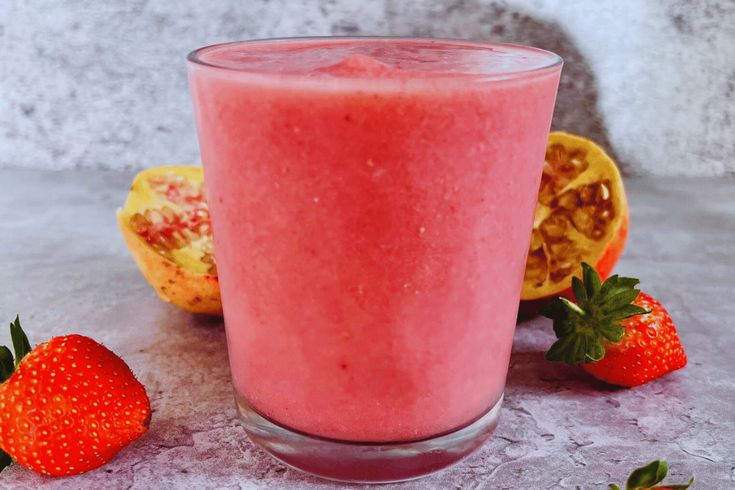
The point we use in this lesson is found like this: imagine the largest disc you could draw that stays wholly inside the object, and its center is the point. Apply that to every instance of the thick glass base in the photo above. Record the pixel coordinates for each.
(366, 462)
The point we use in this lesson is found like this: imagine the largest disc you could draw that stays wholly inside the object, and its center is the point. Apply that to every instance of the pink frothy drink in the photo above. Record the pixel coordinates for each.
(371, 202)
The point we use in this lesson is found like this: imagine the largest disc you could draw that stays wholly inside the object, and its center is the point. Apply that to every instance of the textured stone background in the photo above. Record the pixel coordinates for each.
(101, 83)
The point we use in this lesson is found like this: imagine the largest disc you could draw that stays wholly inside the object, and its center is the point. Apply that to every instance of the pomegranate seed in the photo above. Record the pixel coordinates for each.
(167, 229)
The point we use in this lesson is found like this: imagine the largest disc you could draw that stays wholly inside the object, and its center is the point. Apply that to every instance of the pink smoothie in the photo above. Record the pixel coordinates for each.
(372, 204)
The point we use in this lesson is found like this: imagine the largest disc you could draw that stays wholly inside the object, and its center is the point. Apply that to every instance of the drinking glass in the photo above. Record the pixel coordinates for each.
(372, 203)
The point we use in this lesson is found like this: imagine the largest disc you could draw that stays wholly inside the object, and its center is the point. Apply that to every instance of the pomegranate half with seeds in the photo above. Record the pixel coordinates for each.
(166, 226)
(581, 216)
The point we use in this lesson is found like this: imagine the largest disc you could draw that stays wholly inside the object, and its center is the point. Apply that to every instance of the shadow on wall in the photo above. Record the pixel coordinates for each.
(576, 107)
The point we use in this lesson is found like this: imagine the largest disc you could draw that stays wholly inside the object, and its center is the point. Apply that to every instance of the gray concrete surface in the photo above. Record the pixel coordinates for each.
(64, 268)
(88, 83)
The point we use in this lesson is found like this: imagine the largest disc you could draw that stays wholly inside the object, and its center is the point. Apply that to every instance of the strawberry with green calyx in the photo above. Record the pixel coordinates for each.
(647, 477)
(67, 406)
(617, 333)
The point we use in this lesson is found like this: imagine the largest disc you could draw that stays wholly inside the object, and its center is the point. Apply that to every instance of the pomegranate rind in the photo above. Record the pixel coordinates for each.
(604, 252)
(191, 290)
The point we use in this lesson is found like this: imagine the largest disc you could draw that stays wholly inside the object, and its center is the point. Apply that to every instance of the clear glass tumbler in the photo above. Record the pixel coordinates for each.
(372, 203)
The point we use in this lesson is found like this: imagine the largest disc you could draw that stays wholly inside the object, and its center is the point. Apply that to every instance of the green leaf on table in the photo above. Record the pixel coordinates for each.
(647, 476)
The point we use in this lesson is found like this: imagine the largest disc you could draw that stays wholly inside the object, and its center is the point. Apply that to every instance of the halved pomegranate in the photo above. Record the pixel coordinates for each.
(166, 226)
(581, 216)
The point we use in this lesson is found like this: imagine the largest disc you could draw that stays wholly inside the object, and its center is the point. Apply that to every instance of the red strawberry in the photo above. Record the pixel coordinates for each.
(70, 405)
(647, 477)
(617, 333)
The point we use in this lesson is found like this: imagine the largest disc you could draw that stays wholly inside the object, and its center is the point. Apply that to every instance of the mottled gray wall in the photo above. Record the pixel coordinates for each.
(102, 83)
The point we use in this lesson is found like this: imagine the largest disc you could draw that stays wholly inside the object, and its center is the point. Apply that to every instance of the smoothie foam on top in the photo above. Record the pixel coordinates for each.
(379, 58)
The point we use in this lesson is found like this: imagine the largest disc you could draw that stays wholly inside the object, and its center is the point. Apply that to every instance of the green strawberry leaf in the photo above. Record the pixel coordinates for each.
(616, 301)
(583, 328)
(563, 349)
(5, 460)
(591, 280)
(21, 346)
(580, 293)
(627, 311)
(614, 284)
(6, 363)
(647, 476)
(611, 331)
(682, 486)
(595, 350)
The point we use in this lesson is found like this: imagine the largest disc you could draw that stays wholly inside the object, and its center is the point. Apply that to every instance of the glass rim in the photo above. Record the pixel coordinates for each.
(195, 56)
